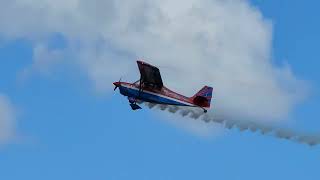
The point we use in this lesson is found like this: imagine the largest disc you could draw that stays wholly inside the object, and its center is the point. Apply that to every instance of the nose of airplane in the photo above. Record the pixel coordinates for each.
(116, 84)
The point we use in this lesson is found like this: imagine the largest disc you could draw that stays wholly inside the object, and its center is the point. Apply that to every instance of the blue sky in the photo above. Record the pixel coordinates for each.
(66, 130)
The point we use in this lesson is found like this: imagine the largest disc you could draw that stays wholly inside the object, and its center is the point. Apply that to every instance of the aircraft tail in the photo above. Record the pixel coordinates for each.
(203, 97)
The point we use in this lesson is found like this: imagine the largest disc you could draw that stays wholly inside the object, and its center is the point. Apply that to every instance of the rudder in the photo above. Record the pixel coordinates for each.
(203, 97)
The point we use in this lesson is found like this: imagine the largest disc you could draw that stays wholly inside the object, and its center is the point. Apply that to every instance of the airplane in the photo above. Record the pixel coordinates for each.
(150, 88)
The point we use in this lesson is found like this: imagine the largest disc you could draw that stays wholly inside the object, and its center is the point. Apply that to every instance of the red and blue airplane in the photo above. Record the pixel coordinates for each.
(150, 88)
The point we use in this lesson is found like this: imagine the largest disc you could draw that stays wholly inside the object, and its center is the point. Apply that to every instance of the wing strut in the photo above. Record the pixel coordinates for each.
(140, 87)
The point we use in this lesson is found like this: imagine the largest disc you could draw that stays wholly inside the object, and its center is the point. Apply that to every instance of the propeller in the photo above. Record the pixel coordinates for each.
(117, 84)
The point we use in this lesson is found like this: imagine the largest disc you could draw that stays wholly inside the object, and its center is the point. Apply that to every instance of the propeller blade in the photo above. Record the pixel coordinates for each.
(117, 84)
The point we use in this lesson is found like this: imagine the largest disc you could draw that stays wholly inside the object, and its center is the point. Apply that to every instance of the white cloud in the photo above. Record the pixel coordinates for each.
(7, 120)
(44, 59)
(222, 43)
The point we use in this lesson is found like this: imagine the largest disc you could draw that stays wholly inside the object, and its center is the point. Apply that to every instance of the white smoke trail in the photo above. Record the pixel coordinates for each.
(309, 139)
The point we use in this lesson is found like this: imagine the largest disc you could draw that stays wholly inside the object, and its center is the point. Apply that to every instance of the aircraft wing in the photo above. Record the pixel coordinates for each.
(150, 75)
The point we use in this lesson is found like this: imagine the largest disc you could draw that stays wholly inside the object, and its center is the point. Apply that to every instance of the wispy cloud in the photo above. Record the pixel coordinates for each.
(7, 120)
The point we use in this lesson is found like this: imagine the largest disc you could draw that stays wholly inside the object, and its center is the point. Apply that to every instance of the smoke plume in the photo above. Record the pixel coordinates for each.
(241, 125)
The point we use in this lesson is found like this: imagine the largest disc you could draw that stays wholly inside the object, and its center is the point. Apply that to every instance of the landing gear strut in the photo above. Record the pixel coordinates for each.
(133, 103)
(132, 100)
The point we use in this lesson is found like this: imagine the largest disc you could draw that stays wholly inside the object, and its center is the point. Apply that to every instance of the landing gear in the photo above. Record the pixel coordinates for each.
(134, 106)
(133, 103)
